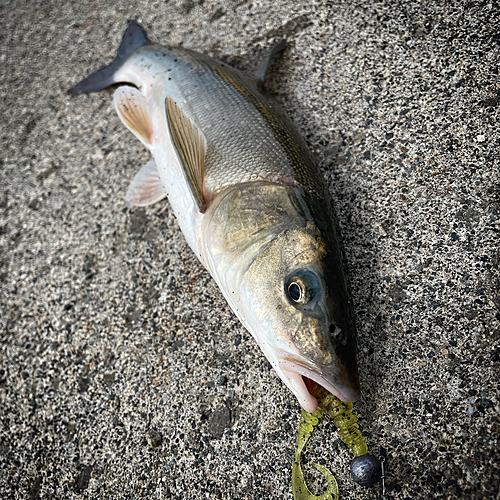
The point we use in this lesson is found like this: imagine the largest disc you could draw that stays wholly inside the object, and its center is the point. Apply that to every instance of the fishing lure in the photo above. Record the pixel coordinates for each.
(365, 468)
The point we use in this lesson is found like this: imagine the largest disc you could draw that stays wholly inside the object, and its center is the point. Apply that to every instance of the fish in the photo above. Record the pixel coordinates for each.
(250, 200)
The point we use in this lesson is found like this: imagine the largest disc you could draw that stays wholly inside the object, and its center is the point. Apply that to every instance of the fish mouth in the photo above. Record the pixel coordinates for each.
(300, 379)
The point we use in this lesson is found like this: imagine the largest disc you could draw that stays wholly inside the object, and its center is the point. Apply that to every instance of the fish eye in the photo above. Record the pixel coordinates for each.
(302, 287)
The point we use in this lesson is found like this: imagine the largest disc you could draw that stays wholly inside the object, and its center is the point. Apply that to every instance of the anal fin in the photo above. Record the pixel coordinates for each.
(132, 108)
(146, 188)
(191, 146)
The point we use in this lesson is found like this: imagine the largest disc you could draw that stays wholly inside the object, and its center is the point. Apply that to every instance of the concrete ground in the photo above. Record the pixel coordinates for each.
(124, 375)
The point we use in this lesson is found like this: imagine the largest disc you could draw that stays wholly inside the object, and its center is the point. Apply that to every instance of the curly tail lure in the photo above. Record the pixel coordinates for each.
(365, 469)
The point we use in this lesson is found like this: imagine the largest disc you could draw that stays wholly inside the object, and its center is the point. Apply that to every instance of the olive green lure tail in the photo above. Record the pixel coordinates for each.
(299, 487)
(346, 423)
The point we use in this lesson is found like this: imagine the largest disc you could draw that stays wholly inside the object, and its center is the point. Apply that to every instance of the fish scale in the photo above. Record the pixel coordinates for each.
(237, 151)
(261, 144)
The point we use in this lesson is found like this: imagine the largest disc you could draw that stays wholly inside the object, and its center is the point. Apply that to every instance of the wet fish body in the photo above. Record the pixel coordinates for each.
(249, 199)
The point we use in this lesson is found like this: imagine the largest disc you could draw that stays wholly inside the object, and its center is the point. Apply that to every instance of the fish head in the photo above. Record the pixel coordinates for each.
(283, 277)
(296, 304)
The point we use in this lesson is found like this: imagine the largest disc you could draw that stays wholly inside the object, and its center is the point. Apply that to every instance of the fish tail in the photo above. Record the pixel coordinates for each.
(133, 38)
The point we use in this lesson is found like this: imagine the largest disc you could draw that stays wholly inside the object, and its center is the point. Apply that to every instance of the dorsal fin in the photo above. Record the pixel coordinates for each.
(133, 38)
(260, 71)
(191, 146)
(132, 108)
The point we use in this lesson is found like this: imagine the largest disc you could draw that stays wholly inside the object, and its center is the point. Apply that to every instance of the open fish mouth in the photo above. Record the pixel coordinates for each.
(300, 379)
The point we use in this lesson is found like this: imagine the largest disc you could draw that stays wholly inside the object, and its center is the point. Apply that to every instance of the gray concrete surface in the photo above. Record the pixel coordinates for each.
(123, 375)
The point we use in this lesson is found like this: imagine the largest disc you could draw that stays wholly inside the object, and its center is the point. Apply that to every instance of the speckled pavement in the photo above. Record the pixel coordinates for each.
(123, 374)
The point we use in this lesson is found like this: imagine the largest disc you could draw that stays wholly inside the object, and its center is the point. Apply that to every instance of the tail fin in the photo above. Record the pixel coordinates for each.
(133, 38)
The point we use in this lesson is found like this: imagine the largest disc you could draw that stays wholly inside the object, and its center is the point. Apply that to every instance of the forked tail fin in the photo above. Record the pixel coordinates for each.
(133, 38)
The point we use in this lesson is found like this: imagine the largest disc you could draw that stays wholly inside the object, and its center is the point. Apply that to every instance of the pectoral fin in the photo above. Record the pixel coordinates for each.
(146, 188)
(191, 146)
(132, 108)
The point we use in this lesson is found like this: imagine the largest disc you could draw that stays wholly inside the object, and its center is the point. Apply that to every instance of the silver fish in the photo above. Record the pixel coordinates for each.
(249, 199)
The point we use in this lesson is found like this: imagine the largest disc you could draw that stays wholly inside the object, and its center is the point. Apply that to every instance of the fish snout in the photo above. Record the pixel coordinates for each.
(300, 377)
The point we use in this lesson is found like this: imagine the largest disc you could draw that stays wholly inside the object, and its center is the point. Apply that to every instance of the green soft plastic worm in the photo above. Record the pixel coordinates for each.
(346, 423)
(299, 487)
(349, 432)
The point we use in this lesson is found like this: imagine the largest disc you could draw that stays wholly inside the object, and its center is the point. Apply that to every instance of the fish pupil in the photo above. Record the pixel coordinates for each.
(294, 291)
